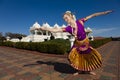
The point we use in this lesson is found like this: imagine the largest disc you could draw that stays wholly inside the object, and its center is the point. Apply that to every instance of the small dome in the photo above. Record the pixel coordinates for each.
(56, 26)
(63, 25)
(89, 30)
(46, 25)
(36, 25)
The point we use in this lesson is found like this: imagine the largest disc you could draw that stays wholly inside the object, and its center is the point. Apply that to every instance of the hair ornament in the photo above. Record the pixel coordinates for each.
(68, 12)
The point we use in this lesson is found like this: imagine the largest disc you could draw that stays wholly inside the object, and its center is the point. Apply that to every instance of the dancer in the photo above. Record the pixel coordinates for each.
(82, 56)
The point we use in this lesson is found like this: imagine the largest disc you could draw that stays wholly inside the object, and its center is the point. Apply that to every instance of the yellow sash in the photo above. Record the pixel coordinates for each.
(84, 42)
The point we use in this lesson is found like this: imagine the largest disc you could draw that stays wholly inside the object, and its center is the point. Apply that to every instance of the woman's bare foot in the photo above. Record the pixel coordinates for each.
(76, 73)
(92, 73)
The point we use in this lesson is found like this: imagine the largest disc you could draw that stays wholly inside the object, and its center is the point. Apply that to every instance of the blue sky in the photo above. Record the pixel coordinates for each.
(17, 16)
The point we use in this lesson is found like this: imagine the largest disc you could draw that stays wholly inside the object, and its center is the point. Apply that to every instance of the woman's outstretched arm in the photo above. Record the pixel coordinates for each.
(97, 14)
(52, 29)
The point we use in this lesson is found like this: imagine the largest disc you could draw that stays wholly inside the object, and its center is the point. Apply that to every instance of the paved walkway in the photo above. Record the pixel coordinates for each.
(17, 64)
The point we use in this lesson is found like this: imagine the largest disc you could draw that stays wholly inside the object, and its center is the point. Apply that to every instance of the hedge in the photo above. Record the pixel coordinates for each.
(100, 42)
(57, 46)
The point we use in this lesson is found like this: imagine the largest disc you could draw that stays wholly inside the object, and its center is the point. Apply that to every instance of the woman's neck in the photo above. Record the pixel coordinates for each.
(73, 24)
(74, 28)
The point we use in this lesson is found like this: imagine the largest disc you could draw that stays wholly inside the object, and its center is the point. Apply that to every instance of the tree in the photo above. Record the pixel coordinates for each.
(15, 35)
(1, 34)
(2, 38)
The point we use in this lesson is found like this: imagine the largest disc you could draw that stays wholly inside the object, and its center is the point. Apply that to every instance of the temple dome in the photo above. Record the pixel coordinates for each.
(46, 25)
(88, 30)
(63, 26)
(35, 25)
(56, 26)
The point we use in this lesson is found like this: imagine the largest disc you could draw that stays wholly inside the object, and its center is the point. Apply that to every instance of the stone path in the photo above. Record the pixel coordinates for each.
(18, 64)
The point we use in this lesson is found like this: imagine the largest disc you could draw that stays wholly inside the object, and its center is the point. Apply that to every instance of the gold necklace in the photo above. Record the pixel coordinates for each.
(74, 30)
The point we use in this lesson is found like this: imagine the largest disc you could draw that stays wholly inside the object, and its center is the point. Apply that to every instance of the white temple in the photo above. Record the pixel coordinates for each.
(40, 36)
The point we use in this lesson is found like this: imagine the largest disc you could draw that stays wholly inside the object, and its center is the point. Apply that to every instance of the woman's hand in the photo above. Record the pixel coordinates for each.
(109, 11)
(41, 28)
(37, 28)
(98, 14)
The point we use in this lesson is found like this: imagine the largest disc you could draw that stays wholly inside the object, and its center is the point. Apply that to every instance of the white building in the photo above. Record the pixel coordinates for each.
(40, 36)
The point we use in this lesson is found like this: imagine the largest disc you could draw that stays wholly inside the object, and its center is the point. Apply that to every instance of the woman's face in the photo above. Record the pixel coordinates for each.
(67, 18)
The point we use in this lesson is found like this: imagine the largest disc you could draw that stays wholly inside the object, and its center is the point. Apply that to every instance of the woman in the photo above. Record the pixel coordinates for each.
(82, 56)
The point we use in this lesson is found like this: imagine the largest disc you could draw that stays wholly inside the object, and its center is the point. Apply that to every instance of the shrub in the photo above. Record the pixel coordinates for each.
(98, 43)
(56, 46)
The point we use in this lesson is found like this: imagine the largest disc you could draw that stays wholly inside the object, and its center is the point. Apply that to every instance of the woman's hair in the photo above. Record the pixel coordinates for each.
(69, 13)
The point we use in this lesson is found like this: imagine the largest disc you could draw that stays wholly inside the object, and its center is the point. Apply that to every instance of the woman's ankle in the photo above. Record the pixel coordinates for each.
(92, 73)
(76, 73)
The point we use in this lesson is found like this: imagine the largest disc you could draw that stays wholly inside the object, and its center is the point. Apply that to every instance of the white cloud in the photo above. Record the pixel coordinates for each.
(98, 31)
(106, 32)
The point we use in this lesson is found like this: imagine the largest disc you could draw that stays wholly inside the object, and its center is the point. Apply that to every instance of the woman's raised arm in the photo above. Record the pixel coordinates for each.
(97, 14)
(51, 29)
